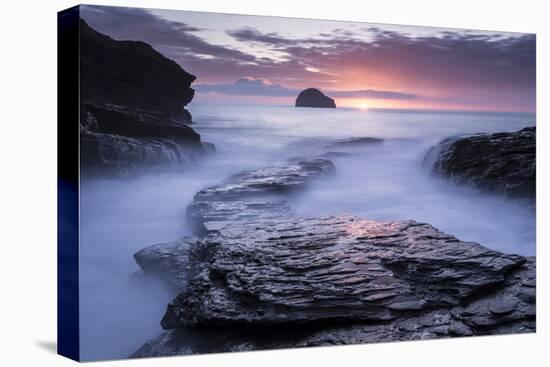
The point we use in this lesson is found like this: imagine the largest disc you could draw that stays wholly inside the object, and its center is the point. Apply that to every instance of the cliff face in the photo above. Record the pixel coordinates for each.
(312, 97)
(131, 108)
(131, 73)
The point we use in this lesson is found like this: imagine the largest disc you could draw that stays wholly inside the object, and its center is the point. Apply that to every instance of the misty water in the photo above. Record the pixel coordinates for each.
(121, 309)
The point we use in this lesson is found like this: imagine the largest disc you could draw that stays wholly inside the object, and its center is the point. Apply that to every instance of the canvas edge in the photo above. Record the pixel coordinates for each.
(68, 325)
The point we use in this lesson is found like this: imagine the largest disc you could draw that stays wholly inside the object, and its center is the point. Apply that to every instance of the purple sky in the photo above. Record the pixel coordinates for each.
(255, 59)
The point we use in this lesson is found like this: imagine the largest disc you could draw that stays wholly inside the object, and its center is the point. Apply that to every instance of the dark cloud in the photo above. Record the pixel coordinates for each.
(174, 39)
(450, 56)
(253, 35)
(210, 62)
(263, 87)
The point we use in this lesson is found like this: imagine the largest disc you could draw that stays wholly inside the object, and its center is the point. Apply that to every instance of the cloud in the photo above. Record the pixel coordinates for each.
(263, 87)
(465, 66)
(372, 94)
(368, 61)
(253, 35)
(176, 40)
(248, 87)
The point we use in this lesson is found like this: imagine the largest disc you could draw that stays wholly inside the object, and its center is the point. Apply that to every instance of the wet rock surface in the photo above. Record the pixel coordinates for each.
(134, 122)
(258, 195)
(341, 280)
(119, 140)
(502, 162)
(332, 269)
(355, 142)
(255, 195)
(312, 97)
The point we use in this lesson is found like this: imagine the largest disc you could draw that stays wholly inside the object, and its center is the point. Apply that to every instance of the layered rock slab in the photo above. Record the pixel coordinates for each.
(118, 140)
(332, 269)
(501, 162)
(257, 194)
(340, 280)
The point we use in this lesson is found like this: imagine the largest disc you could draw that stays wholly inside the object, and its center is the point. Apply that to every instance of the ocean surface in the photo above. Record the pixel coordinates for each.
(121, 310)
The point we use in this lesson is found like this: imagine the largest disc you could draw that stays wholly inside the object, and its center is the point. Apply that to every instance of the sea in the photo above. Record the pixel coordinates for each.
(120, 309)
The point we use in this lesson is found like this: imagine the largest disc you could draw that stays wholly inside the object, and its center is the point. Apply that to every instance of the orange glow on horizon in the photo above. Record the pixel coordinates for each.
(375, 103)
(365, 104)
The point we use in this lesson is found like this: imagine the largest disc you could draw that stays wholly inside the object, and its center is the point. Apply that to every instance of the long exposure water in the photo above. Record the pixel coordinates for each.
(120, 310)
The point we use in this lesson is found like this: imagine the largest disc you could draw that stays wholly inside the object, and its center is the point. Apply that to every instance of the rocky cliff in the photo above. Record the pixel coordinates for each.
(131, 111)
(131, 73)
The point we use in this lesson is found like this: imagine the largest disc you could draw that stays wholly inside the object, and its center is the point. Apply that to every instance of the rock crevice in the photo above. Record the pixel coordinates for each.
(258, 277)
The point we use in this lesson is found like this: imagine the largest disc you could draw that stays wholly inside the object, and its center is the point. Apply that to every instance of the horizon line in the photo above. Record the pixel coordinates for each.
(373, 109)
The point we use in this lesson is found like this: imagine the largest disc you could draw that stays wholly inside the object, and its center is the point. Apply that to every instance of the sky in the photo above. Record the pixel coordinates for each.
(269, 60)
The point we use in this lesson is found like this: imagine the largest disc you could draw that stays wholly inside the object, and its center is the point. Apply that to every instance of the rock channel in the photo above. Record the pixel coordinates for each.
(258, 277)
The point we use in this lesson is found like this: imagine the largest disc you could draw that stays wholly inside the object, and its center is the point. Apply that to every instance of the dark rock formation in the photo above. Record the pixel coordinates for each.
(132, 113)
(470, 318)
(312, 97)
(332, 269)
(131, 73)
(503, 162)
(355, 142)
(257, 194)
(172, 261)
(338, 280)
(135, 123)
(119, 139)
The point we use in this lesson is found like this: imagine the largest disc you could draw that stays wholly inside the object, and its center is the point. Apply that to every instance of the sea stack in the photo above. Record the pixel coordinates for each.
(312, 97)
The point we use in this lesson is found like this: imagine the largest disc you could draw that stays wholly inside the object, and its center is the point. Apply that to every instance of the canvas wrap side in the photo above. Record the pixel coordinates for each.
(68, 343)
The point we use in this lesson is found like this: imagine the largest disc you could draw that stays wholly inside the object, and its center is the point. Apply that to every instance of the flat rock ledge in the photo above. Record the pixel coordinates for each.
(332, 269)
(256, 194)
(337, 280)
(502, 162)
